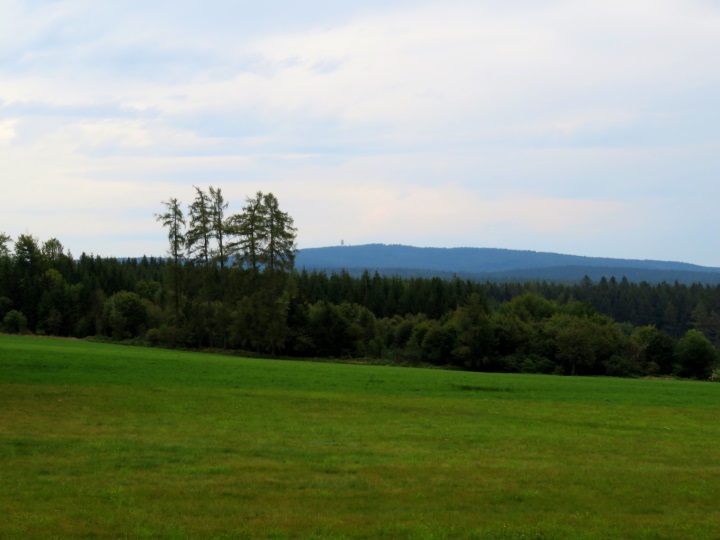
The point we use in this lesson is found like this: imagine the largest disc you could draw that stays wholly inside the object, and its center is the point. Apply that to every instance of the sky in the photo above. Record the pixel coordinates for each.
(570, 126)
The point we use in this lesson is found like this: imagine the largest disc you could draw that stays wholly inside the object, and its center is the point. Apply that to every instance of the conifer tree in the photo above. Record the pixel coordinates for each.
(5, 239)
(279, 253)
(219, 225)
(200, 231)
(174, 220)
(249, 229)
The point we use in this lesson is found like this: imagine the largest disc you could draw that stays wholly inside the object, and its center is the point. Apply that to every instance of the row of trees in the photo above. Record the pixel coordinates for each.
(228, 282)
(672, 308)
(260, 237)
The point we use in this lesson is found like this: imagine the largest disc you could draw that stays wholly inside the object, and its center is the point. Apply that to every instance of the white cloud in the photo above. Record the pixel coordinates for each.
(451, 123)
(472, 71)
(7, 130)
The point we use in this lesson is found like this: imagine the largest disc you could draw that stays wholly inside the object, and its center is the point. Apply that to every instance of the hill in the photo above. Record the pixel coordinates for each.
(496, 264)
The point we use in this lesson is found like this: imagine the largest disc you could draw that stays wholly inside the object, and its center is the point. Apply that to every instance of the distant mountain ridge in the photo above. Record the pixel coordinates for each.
(496, 264)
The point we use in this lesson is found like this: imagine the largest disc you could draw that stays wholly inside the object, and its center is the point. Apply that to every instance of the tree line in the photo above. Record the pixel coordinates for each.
(228, 282)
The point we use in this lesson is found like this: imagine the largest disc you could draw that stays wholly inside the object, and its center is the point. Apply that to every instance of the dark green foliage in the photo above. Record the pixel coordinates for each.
(264, 236)
(327, 330)
(5, 240)
(531, 306)
(58, 309)
(437, 343)
(200, 233)
(218, 226)
(5, 306)
(259, 322)
(27, 253)
(250, 233)
(474, 334)
(124, 316)
(651, 350)
(581, 345)
(260, 304)
(619, 366)
(14, 322)
(695, 355)
(279, 252)
(174, 220)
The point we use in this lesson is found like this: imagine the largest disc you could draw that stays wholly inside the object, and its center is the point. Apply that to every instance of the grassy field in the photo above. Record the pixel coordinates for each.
(120, 442)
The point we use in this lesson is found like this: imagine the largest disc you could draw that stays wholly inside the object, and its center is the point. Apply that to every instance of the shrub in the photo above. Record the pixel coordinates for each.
(534, 363)
(5, 305)
(618, 366)
(124, 315)
(695, 355)
(153, 336)
(172, 336)
(15, 322)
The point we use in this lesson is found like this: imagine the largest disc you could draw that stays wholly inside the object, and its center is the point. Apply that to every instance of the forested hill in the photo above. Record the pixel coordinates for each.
(496, 264)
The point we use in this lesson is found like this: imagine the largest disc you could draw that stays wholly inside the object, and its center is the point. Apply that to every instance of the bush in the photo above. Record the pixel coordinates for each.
(618, 366)
(153, 336)
(534, 363)
(15, 322)
(124, 316)
(172, 336)
(695, 355)
(5, 305)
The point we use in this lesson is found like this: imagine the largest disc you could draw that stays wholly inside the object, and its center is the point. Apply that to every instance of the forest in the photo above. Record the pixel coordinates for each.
(228, 282)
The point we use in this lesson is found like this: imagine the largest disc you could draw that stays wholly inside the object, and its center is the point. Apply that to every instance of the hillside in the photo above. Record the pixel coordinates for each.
(496, 264)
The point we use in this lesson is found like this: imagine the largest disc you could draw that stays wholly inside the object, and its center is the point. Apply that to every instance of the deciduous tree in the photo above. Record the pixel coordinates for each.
(695, 355)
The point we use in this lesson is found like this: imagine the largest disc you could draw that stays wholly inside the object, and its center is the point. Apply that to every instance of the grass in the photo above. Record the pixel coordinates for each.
(108, 441)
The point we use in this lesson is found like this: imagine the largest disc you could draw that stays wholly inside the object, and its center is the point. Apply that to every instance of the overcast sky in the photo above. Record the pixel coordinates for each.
(579, 127)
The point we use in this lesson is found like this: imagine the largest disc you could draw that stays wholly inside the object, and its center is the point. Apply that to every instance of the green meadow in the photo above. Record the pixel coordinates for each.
(107, 441)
